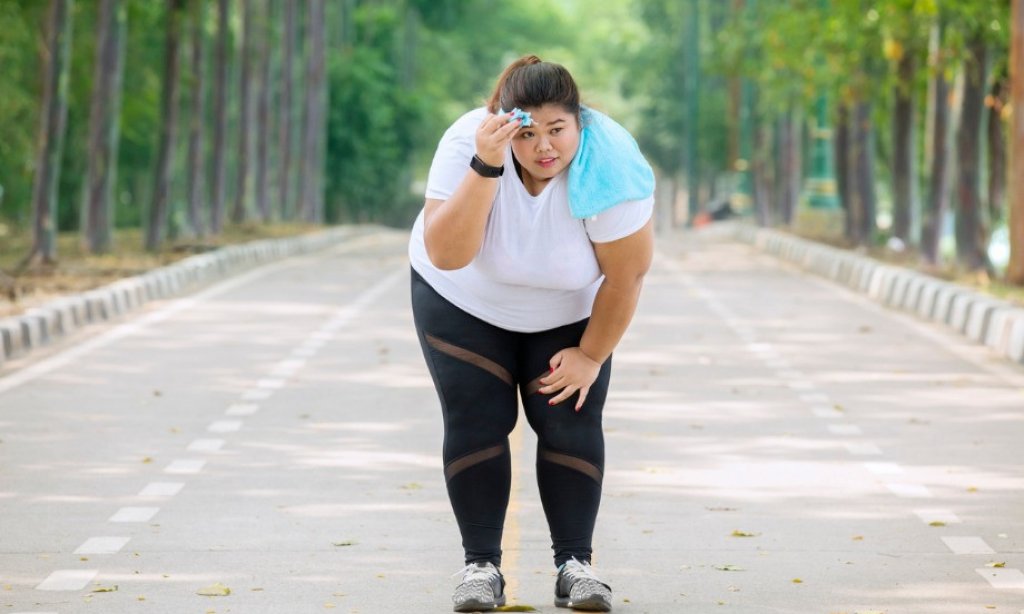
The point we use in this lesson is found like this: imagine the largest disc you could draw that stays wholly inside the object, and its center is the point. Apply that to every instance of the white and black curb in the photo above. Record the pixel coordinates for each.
(980, 317)
(41, 325)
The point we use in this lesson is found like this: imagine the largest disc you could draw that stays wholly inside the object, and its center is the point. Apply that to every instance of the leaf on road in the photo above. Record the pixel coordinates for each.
(105, 589)
(412, 486)
(347, 542)
(936, 523)
(329, 605)
(738, 533)
(720, 509)
(972, 489)
(728, 568)
(996, 564)
(516, 608)
(858, 538)
(214, 590)
(797, 581)
(147, 459)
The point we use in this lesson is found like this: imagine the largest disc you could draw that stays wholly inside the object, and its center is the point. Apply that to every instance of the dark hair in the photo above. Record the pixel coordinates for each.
(529, 82)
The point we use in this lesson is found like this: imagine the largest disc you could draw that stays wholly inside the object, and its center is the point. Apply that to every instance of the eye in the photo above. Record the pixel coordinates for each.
(555, 131)
(526, 134)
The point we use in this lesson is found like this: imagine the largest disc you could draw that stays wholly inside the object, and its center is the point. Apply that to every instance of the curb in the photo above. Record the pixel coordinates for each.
(982, 318)
(39, 326)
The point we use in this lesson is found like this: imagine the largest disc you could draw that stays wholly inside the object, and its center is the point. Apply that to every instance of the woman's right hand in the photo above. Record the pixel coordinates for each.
(493, 137)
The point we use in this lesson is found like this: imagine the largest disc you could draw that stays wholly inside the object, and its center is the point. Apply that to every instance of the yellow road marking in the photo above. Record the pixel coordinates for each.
(510, 538)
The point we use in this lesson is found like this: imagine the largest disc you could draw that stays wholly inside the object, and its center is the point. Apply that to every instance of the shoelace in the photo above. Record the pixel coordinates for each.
(475, 572)
(575, 571)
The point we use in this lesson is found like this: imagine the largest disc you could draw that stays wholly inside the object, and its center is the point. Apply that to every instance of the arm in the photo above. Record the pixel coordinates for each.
(624, 263)
(453, 229)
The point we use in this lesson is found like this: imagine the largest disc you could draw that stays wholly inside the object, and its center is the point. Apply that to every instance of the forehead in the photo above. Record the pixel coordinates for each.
(549, 113)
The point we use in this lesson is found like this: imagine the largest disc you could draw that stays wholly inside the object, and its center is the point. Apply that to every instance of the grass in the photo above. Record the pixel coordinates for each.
(77, 271)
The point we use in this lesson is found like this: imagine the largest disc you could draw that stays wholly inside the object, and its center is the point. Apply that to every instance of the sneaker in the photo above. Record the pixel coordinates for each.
(579, 588)
(482, 588)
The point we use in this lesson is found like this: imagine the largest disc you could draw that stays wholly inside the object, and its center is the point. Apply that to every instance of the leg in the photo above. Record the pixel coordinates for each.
(470, 362)
(570, 447)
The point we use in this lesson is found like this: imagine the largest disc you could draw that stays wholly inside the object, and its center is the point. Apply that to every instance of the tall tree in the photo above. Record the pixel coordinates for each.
(220, 119)
(286, 113)
(1015, 270)
(263, 113)
(104, 126)
(311, 182)
(971, 229)
(156, 229)
(904, 142)
(996, 142)
(197, 116)
(56, 64)
(938, 150)
(241, 208)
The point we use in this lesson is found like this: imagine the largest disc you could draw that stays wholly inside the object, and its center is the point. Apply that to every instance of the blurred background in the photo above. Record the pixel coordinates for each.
(140, 129)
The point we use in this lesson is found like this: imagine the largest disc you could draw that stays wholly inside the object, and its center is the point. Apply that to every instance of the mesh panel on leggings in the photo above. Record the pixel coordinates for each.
(572, 462)
(472, 358)
(460, 464)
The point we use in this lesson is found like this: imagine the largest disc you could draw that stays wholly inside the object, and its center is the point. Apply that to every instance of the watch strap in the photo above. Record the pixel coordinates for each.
(484, 169)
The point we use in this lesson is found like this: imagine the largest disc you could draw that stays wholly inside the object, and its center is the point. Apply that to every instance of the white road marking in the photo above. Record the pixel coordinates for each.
(304, 352)
(968, 545)
(777, 363)
(185, 466)
(760, 348)
(814, 397)
(863, 449)
(161, 489)
(67, 580)
(1003, 578)
(322, 335)
(242, 409)
(802, 385)
(224, 426)
(102, 545)
(884, 468)
(257, 394)
(935, 515)
(910, 491)
(134, 514)
(789, 374)
(829, 413)
(205, 445)
(287, 368)
(269, 383)
(844, 429)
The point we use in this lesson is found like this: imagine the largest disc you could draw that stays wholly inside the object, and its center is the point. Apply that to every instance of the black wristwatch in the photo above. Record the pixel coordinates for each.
(484, 169)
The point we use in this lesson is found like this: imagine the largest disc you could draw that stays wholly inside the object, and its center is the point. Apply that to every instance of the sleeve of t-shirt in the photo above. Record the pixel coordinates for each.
(619, 221)
(453, 154)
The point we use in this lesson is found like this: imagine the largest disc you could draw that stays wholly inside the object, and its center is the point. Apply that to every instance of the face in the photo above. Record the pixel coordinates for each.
(546, 147)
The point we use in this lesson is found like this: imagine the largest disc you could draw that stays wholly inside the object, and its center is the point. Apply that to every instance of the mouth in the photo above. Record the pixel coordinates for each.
(546, 162)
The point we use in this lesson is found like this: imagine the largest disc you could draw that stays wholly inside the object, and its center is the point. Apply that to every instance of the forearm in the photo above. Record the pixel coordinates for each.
(613, 310)
(454, 230)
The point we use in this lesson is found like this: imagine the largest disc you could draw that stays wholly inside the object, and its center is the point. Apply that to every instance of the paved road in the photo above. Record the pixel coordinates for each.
(277, 434)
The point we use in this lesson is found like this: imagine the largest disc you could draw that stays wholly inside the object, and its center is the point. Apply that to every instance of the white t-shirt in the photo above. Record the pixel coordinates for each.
(536, 268)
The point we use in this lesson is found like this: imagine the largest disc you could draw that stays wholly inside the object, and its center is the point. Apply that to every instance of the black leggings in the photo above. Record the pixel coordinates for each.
(476, 368)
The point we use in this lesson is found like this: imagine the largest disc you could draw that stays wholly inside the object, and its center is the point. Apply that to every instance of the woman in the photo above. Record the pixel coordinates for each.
(509, 290)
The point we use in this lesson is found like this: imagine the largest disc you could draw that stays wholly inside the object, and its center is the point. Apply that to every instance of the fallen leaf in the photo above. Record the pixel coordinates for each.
(105, 589)
(140, 598)
(1002, 536)
(329, 605)
(990, 607)
(256, 589)
(411, 486)
(972, 489)
(339, 594)
(516, 608)
(797, 581)
(728, 568)
(733, 589)
(858, 538)
(720, 509)
(936, 523)
(994, 564)
(738, 533)
(147, 459)
(83, 558)
(214, 590)
(348, 542)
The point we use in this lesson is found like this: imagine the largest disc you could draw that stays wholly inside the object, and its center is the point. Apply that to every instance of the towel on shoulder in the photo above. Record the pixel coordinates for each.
(608, 168)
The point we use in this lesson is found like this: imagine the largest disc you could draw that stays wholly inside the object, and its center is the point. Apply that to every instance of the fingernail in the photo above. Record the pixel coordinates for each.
(551, 402)
(552, 369)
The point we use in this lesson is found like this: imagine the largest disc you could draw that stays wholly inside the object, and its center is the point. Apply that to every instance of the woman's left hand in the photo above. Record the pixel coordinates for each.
(571, 371)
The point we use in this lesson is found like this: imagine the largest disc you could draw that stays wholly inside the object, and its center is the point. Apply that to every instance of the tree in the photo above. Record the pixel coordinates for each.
(263, 114)
(971, 231)
(311, 200)
(1015, 271)
(55, 56)
(937, 202)
(241, 208)
(196, 176)
(286, 140)
(156, 229)
(220, 119)
(104, 126)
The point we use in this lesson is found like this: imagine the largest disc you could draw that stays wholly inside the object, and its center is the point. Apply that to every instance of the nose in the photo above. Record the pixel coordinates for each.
(543, 144)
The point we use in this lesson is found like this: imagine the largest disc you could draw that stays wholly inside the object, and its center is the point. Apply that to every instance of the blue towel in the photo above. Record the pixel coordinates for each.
(608, 168)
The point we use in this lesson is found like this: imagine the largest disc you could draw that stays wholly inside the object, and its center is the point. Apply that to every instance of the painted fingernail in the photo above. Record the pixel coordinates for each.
(552, 369)
(551, 402)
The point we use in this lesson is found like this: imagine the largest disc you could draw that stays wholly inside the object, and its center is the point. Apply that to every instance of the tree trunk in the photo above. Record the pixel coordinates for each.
(904, 139)
(156, 229)
(263, 114)
(287, 114)
(196, 183)
(764, 185)
(938, 184)
(50, 147)
(971, 229)
(104, 127)
(220, 119)
(1015, 270)
(862, 177)
(310, 194)
(842, 156)
(241, 209)
(996, 142)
